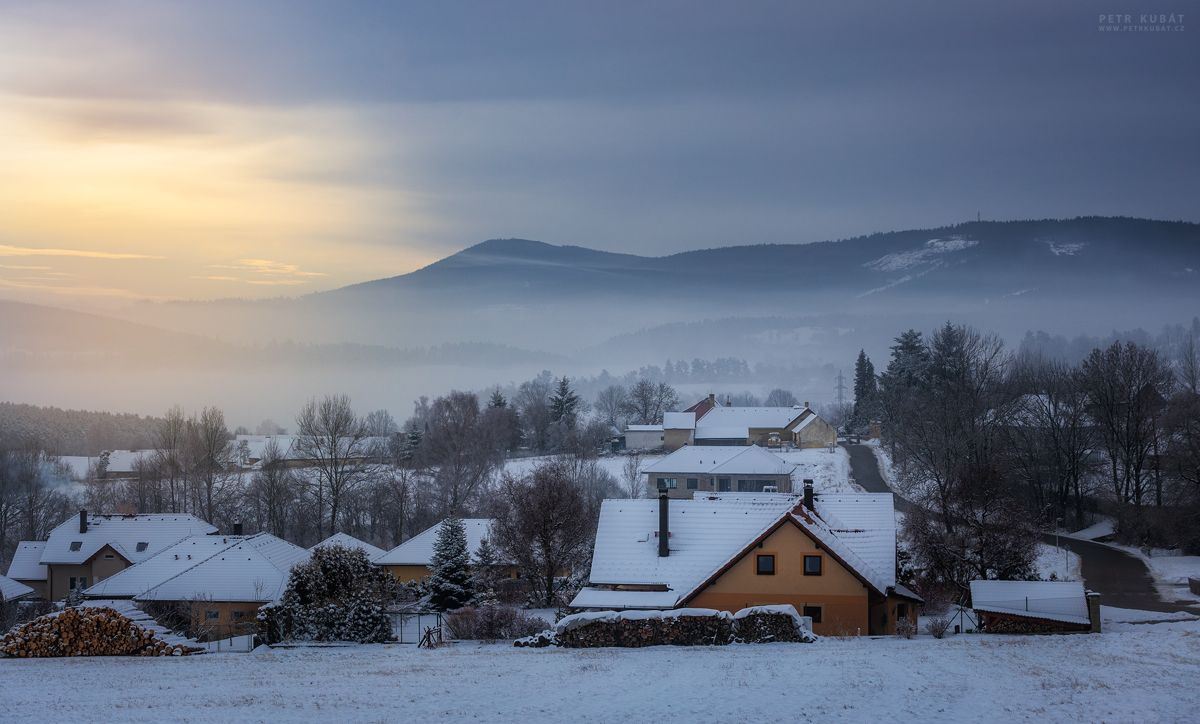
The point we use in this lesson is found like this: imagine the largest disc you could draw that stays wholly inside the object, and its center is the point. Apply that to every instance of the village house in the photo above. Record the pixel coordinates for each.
(833, 558)
(412, 560)
(1035, 607)
(27, 567)
(348, 541)
(83, 551)
(708, 423)
(212, 581)
(719, 469)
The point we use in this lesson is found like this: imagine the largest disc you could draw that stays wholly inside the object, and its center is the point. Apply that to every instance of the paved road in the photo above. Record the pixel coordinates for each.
(864, 468)
(1121, 580)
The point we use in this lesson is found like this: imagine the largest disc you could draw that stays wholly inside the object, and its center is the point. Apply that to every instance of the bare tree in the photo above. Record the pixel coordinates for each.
(780, 397)
(610, 405)
(459, 450)
(648, 401)
(168, 444)
(533, 406)
(335, 440)
(633, 477)
(273, 490)
(208, 440)
(545, 524)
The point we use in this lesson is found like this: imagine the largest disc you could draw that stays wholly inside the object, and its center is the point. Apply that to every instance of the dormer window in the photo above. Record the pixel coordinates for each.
(76, 545)
(141, 547)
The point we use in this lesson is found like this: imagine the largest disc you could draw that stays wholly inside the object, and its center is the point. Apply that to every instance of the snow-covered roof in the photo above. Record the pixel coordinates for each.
(349, 541)
(722, 460)
(866, 523)
(722, 433)
(749, 417)
(255, 569)
(1052, 600)
(679, 421)
(167, 563)
(135, 537)
(26, 563)
(288, 445)
(706, 533)
(418, 550)
(711, 530)
(644, 428)
(11, 590)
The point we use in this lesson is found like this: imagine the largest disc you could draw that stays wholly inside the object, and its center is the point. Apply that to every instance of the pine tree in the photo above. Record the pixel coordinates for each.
(865, 390)
(486, 572)
(450, 585)
(498, 402)
(910, 361)
(563, 403)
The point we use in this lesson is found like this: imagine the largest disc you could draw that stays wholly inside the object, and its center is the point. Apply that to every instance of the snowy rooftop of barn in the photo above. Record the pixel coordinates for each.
(135, 537)
(1050, 600)
(255, 569)
(418, 550)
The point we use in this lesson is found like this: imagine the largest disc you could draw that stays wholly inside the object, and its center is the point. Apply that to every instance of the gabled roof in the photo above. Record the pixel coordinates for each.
(165, 564)
(748, 417)
(349, 541)
(706, 534)
(679, 421)
(26, 563)
(644, 428)
(255, 569)
(418, 550)
(1051, 600)
(124, 533)
(713, 531)
(722, 460)
(11, 590)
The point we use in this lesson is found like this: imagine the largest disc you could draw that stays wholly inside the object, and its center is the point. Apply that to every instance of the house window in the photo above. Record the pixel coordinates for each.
(753, 486)
(108, 556)
(668, 483)
(901, 611)
(812, 565)
(82, 582)
(71, 583)
(766, 565)
(237, 615)
(723, 485)
(76, 545)
(141, 547)
(212, 616)
(693, 483)
(814, 612)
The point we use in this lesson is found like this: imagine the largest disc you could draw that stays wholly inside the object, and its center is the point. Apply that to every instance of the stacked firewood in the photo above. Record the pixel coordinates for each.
(765, 627)
(638, 632)
(85, 632)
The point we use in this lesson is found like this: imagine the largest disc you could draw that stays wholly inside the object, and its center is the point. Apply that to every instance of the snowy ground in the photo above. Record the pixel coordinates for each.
(1135, 673)
(1065, 566)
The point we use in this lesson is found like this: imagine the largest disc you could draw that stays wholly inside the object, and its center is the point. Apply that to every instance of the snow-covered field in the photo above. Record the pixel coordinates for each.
(1064, 565)
(1138, 672)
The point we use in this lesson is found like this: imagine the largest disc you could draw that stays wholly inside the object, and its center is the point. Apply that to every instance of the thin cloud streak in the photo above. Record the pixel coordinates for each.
(25, 251)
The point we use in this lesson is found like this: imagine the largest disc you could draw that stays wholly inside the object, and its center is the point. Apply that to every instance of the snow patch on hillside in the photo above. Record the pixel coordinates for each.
(922, 255)
(1066, 249)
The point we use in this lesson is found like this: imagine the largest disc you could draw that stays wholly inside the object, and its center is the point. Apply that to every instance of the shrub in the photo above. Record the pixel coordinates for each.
(492, 623)
(937, 626)
(905, 628)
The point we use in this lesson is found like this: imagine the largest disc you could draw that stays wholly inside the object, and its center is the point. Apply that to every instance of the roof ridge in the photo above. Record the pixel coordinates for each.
(169, 578)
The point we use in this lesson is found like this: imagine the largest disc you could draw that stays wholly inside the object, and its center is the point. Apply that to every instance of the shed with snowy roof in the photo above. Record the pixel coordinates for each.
(708, 423)
(1035, 607)
(832, 559)
(91, 548)
(11, 590)
(689, 470)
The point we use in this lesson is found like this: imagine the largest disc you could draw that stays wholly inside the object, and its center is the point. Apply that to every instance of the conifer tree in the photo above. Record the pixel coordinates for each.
(563, 403)
(865, 390)
(450, 585)
(498, 402)
(486, 572)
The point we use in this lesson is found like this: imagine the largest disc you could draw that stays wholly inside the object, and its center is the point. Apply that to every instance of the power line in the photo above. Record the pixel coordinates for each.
(841, 388)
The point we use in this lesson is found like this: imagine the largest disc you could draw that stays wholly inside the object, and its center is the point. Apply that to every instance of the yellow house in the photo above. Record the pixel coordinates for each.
(831, 557)
(707, 423)
(412, 560)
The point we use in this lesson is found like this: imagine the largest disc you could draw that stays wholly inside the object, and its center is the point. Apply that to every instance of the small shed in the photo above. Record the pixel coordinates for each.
(1035, 607)
(644, 437)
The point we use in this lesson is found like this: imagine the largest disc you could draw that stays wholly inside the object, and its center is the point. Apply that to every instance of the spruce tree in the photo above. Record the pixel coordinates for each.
(450, 586)
(563, 403)
(865, 390)
(486, 572)
(498, 402)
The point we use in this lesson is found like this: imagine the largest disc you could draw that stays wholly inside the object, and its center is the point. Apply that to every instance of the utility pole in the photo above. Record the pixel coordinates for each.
(841, 388)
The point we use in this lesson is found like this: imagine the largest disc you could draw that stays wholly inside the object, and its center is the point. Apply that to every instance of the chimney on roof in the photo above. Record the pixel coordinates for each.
(82, 521)
(712, 398)
(237, 528)
(808, 494)
(805, 404)
(664, 525)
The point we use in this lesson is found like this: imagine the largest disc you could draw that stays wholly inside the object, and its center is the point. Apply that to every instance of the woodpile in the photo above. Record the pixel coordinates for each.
(1002, 625)
(85, 632)
(761, 628)
(639, 631)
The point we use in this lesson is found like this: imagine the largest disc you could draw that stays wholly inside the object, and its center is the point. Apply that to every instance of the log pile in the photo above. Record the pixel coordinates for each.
(1002, 625)
(85, 632)
(764, 627)
(642, 630)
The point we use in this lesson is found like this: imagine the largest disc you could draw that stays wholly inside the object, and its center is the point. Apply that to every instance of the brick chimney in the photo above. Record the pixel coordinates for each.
(237, 528)
(808, 494)
(664, 525)
(82, 521)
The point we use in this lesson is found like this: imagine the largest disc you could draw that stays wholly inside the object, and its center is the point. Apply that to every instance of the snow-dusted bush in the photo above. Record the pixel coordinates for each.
(937, 626)
(491, 622)
(905, 628)
(337, 595)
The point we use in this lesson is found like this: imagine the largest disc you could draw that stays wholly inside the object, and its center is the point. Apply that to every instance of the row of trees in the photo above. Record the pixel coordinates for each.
(993, 447)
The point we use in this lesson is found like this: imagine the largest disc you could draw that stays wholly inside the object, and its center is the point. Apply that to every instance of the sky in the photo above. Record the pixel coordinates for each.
(165, 150)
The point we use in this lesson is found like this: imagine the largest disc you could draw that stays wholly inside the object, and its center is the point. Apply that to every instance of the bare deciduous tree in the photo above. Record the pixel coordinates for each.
(459, 450)
(335, 440)
(648, 401)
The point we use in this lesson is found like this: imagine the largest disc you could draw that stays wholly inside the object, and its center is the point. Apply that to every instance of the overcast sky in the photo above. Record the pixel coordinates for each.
(213, 149)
